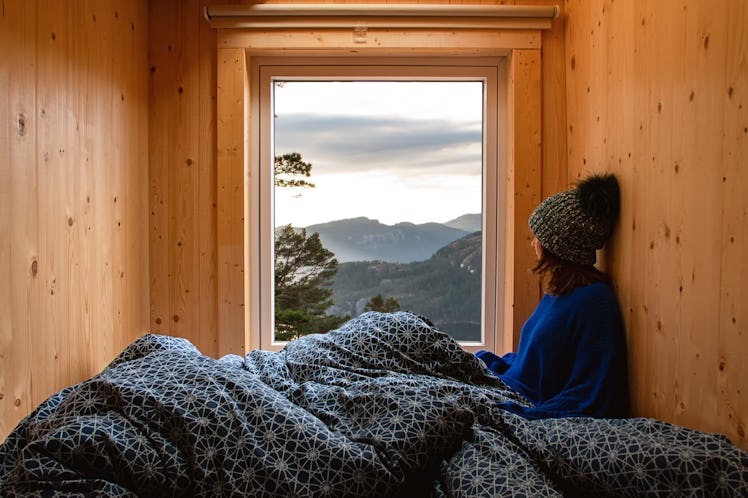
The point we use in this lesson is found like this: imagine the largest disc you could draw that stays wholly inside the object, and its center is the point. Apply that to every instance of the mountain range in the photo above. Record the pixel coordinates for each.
(364, 239)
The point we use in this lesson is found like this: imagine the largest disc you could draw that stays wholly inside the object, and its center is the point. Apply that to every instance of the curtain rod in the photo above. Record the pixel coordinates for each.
(269, 16)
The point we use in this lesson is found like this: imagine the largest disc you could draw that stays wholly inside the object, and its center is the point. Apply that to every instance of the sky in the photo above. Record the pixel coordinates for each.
(390, 151)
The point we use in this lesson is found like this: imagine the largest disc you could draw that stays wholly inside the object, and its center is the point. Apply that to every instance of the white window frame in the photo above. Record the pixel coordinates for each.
(264, 70)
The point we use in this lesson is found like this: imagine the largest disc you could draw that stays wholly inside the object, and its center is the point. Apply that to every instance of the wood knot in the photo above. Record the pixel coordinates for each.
(17, 402)
(21, 124)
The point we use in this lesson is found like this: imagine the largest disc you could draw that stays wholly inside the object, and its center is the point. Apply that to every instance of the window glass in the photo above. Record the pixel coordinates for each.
(377, 202)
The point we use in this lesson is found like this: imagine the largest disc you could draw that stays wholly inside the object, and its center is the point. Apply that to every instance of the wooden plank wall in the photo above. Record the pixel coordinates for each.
(182, 174)
(658, 93)
(73, 193)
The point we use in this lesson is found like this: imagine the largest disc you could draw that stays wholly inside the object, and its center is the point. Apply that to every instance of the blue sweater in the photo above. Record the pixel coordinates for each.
(571, 359)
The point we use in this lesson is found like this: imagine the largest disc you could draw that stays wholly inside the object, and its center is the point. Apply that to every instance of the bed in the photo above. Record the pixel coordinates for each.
(386, 405)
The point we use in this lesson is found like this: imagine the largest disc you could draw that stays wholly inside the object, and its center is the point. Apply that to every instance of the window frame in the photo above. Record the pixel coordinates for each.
(235, 47)
(264, 70)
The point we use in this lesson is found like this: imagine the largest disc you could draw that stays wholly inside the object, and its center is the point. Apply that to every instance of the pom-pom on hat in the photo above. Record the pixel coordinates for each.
(574, 224)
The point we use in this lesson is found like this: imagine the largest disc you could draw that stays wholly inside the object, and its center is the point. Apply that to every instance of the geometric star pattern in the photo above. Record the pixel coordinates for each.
(634, 457)
(386, 405)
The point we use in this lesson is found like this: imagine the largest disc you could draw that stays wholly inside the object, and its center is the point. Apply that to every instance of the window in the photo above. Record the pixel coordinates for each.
(510, 42)
(267, 73)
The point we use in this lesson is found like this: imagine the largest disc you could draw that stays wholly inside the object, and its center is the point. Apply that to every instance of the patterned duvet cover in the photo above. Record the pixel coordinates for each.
(384, 406)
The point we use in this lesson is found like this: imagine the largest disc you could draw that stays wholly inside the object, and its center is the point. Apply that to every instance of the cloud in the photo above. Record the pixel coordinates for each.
(357, 144)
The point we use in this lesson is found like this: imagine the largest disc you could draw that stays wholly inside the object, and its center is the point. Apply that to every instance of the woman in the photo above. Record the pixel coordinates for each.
(571, 359)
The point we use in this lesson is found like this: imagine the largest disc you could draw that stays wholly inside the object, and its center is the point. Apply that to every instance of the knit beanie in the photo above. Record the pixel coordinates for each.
(574, 224)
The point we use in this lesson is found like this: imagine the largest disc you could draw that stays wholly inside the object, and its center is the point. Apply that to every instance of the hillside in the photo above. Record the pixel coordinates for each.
(468, 222)
(445, 288)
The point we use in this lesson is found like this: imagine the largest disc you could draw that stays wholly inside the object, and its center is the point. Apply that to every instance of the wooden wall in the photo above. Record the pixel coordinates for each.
(182, 175)
(658, 93)
(73, 193)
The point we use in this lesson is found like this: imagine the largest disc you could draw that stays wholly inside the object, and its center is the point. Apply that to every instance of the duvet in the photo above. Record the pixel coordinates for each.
(384, 406)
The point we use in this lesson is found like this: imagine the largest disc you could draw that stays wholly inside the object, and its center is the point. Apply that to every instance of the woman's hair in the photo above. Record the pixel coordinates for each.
(560, 276)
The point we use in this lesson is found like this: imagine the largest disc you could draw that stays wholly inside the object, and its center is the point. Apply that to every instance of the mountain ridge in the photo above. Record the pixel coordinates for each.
(364, 239)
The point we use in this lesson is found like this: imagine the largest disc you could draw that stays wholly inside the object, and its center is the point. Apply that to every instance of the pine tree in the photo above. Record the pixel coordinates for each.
(304, 268)
(304, 271)
(378, 303)
(288, 167)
